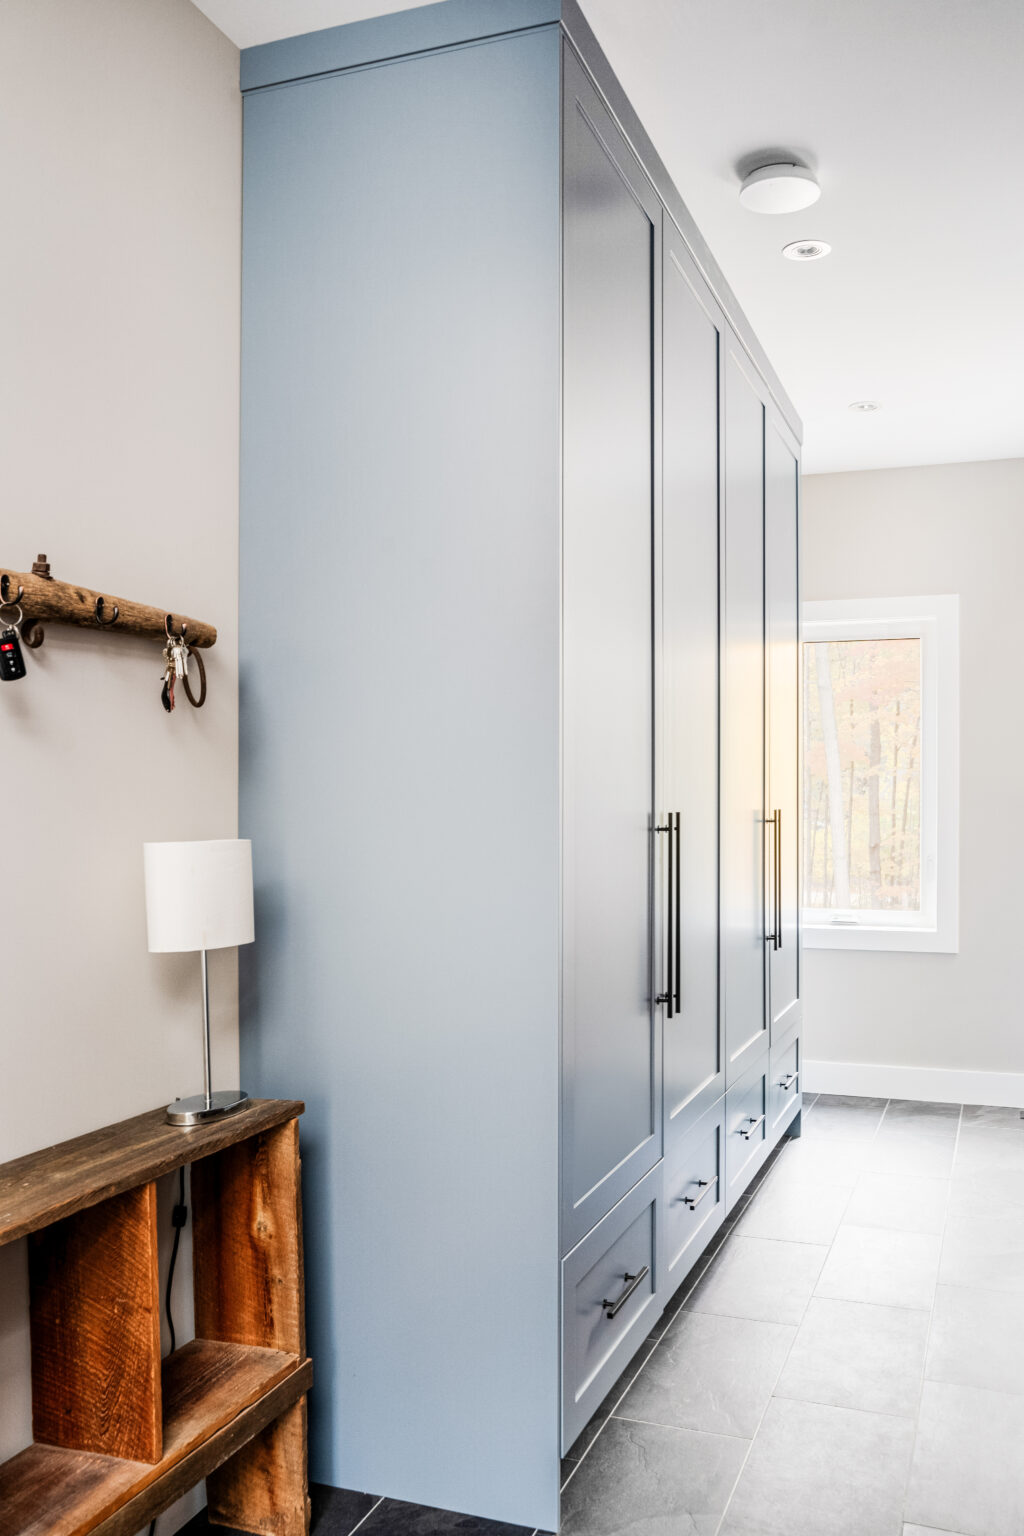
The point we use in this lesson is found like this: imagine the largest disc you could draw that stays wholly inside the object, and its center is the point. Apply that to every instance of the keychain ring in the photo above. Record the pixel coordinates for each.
(14, 623)
(198, 659)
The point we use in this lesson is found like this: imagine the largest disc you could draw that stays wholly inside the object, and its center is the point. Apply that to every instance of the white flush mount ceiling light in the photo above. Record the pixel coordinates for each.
(806, 250)
(779, 189)
(864, 406)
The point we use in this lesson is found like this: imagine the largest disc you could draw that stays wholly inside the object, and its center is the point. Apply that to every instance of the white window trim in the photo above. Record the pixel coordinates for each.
(935, 621)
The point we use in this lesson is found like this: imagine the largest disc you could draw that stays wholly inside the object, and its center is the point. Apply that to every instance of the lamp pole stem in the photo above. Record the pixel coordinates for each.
(207, 1076)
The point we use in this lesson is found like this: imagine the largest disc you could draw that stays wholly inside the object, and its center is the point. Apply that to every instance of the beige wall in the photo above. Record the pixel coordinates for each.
(120, 140)
(955, 528)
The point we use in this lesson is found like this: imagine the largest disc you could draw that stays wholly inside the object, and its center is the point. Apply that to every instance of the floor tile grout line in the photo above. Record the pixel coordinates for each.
(931, 1322)
(366, 1517)
(681, 1429)
(778, 1378)
(814, 1402)
(698, 1272)
(785, 1362)
(610, 1414)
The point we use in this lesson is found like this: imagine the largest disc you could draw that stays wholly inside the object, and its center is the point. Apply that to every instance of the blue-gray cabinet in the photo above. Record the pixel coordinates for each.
(495, 394)
(611, 238)
(688, 590)
(744, 914)
(782, 637)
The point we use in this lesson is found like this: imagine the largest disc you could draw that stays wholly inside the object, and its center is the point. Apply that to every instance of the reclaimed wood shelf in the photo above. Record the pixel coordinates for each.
(119, 1435)
(46, 601)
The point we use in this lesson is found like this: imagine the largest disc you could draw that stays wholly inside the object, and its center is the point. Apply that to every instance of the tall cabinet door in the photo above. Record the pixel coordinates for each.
(783, 675)
(743, 757)
(611, 1046)
(687, 874)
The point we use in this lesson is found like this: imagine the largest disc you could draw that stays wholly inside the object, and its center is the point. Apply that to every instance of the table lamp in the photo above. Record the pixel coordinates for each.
(199, 896)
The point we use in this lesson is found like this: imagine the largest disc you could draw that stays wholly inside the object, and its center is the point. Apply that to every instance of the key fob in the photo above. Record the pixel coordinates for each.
(12, 662)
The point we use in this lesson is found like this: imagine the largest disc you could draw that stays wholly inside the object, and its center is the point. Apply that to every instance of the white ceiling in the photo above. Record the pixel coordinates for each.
(912, 113)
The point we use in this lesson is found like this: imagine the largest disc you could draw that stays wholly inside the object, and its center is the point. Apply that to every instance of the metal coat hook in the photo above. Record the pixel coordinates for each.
(5, 591)
(168, 620)
(98, 613)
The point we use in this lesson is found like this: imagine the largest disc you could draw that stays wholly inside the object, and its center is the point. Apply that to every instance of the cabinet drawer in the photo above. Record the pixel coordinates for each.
(609, 1305)
(693, 1206)
(784, 1095)
(746, 1131)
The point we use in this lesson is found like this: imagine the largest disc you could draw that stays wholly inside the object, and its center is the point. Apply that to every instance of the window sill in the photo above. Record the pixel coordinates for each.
(861, 936)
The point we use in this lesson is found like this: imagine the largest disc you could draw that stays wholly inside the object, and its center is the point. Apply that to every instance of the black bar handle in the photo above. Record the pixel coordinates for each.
(668, 996)
(778, 879)
(679, 909)
(773, 937)
(632, 1281)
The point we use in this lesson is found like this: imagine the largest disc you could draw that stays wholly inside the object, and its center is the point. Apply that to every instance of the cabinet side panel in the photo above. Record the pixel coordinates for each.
(400, 771)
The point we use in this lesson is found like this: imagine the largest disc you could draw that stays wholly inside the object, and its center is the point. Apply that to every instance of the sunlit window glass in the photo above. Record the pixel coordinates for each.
(862, 775)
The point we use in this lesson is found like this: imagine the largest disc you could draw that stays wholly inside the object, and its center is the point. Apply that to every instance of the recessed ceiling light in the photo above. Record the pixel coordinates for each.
(864, 405)
(806, 250)
(779, 189)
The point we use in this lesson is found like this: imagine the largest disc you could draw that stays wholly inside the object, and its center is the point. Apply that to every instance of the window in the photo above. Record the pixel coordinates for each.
(880, 748)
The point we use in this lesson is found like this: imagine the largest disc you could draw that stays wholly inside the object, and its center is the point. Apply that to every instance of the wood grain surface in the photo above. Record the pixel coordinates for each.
(49, 1185)
(264, 1488)
(216, 1398)
(247, 1242)
(94, 1299)
(248, 1283)
(46, 601)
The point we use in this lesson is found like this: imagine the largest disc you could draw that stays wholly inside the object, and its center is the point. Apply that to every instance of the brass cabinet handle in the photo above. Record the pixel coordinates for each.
(752, 1127)
(707, 1185)
(611, 1307)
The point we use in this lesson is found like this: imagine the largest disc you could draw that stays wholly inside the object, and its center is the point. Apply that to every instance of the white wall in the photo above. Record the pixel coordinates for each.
(120, 138)
(941, 529)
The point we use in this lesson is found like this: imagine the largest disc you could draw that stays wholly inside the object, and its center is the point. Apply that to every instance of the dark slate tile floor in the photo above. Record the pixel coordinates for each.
(847, 1359)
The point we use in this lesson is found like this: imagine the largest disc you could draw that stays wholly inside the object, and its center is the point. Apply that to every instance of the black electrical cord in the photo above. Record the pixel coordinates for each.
(179, 1216)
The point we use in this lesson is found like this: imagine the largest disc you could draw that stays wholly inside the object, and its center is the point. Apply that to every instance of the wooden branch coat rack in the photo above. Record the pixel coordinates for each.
(46, 601)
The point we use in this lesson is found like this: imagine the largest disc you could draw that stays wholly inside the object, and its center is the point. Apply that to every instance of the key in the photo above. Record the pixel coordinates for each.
(12, 662)
(170, 674)
(179, 659)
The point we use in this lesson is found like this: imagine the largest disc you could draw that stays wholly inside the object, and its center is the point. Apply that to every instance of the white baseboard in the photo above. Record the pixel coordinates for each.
(935, 1085)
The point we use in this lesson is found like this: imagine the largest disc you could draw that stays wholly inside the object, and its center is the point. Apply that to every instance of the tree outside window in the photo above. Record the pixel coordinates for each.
(880, 773)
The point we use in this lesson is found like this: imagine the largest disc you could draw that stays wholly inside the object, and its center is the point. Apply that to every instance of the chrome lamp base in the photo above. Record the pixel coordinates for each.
(202, 1107)
(205, 1106)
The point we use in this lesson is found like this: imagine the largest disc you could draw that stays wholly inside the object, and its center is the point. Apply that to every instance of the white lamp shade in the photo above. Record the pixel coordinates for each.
(198, 895)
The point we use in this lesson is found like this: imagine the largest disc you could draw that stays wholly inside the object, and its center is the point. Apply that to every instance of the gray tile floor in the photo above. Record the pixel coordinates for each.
(847, 1360)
